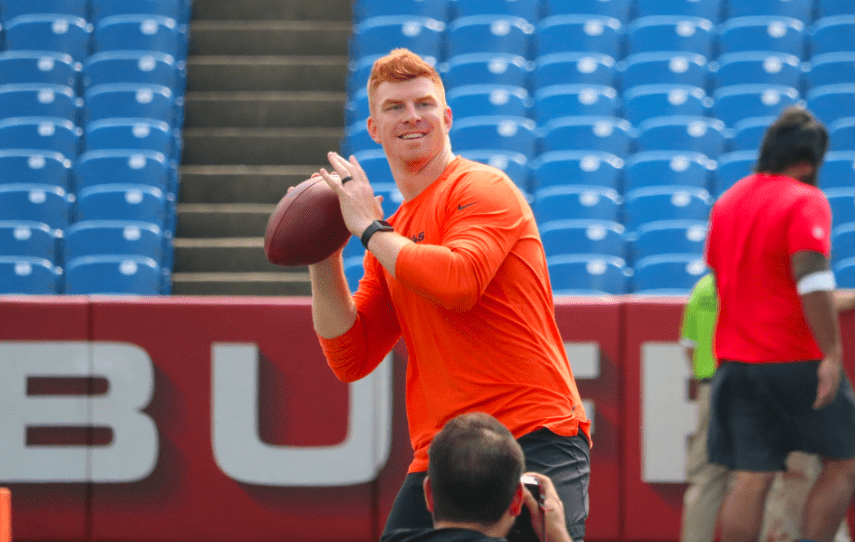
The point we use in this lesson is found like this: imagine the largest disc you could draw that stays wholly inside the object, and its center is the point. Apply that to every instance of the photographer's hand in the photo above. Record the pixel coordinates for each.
(550, 514)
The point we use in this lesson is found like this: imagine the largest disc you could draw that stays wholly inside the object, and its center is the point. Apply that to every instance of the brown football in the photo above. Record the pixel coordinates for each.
(306, 226)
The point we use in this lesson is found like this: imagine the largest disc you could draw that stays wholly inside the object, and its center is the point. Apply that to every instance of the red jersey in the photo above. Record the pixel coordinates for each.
(473, 302)
(754, 229)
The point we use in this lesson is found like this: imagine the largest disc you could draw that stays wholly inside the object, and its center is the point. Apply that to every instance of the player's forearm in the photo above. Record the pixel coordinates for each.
(333, 310)
(385, 246)
(845, 299)
(821, 314)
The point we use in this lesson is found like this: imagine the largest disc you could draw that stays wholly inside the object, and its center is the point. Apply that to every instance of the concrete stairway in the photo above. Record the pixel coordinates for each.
(264, 104)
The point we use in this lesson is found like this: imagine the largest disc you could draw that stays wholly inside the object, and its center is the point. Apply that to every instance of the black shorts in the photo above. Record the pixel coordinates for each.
(566, 460)
(760, 412)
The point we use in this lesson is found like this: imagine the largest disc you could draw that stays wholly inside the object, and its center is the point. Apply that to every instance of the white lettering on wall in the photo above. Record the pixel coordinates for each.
(585, 361)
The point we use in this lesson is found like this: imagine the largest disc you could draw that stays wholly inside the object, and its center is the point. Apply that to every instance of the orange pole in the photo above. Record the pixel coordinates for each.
(5, 515)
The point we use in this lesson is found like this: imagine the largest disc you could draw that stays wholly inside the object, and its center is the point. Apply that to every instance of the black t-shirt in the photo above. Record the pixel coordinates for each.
(438, 535)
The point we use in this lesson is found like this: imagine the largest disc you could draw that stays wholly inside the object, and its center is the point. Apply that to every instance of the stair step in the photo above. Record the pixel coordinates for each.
(222, 220)
(249, 284)
(269, 37)
(230, 254)
(218, 72)
(239, 184)
(260, 146)
(252, 10)
(264, 109)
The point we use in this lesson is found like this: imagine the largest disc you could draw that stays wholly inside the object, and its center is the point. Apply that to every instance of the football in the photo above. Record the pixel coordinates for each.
(306, 226)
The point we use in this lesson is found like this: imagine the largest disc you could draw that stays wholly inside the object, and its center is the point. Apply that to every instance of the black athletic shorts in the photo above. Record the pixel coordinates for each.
(566, 460)
(763, 411)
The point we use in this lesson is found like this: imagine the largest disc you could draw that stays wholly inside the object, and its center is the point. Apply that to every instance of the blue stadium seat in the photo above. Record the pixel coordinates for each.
(140, 33)
(137, 166)
(526, 9)
(133, 133)
(376, 166)
(39, 100)
(654, 203)
(356, 139)
(358, 72)
(353, 271)
(29, 238)
(35, 166)
(121, 274)
(833, 34)
(10, 9)
(44, 203)
(49, 32)
(831, 68)
(829, 103)
(29, 275)
(41, 133)
(574, 69)
(748, 133)
(152, 67)
(434, 9)
(668, 274)
(737, 102)
(513, 164)
(668, 168)
(353, 248)
(587, 275)
(842, 201)
(485, 68)
(795, 9)
(671, 33)
(601, 237)
(138, 202)
(356, 108)
(515, 134)
(838, 170)
(705, 9)
(842, 134)
(644, 102)
(594, 168)
(392, 197)
(38, 67)
(699, 134)
(112, 100)
(94, 237)
(481, 100)
(843, 242)
(489, 34)
(174, 9)
(733, 166)
(577, 201)
(678, 68)
(558, 101)
(580, 33)
(609, 134)
(669, 237)
(379, 35)
(762, 33)
(758, 67)
(617, 9)
(844, 272)
(826, 8)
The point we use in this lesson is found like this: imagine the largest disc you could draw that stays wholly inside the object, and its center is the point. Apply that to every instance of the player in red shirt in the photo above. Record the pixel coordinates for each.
(459, 272)
(780, 385)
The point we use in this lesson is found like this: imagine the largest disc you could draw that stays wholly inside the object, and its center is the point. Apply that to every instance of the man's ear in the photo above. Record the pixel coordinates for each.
(518, 501)
(372, 129)
(449, 118)
(428, 494)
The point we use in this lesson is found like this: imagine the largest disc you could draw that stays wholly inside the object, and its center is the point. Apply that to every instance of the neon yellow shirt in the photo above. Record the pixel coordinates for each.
(699, 320)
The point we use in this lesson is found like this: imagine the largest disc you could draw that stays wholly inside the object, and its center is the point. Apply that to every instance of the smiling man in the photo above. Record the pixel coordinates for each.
(459, 272)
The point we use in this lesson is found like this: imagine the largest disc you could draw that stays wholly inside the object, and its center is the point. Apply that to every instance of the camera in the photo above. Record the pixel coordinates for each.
(522, 531)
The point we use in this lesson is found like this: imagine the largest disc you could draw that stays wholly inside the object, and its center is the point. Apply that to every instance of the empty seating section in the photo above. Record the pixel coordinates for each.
(91, 111)
(620, 120)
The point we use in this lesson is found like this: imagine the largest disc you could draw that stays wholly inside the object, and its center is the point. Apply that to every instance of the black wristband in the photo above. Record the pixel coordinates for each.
(374, 227)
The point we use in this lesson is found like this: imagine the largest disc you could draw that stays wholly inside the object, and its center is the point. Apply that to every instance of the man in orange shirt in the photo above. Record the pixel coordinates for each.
(459, 272)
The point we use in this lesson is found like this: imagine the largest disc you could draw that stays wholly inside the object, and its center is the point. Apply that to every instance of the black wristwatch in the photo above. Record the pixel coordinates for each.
(374, 227)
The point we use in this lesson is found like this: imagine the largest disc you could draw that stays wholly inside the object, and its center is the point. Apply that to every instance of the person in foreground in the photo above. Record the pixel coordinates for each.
(473, 487)
(780, 384)
(458, 271)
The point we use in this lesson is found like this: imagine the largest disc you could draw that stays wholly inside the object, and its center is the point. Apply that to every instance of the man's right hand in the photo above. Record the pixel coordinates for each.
(551, 515)
(828, 376)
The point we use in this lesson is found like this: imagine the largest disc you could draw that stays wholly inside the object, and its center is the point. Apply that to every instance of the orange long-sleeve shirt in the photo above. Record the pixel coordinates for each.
(474, 304)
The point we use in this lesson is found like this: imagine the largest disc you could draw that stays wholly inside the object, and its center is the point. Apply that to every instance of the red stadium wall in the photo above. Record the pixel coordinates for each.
(210, 419)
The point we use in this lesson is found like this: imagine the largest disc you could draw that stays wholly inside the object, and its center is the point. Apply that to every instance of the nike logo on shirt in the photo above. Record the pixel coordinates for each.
(461, 207)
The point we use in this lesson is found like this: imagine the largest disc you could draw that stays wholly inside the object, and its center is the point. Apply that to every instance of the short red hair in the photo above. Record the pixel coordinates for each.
(399, 66)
